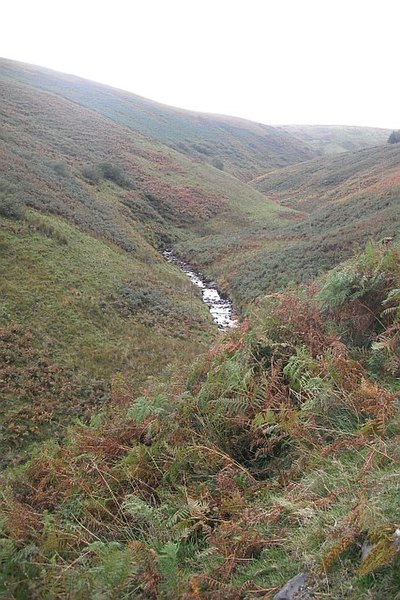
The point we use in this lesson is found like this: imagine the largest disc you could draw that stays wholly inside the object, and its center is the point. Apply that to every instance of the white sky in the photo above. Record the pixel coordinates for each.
(274, 61)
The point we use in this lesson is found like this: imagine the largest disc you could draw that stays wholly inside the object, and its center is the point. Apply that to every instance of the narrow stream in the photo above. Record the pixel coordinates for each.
(221, 309)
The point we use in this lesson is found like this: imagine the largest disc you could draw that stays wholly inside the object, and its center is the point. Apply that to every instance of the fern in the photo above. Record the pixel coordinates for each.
(138, 508)
(144, 407)
(111, 575)
(8, 553)
(168, 564)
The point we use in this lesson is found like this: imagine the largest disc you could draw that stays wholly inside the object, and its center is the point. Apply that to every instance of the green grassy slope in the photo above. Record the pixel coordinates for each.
(333, 178)
(63, 159)
(345, 200)
(76, 313)
(276, 454)
(333, 139)
(240, 147)
(91, 190)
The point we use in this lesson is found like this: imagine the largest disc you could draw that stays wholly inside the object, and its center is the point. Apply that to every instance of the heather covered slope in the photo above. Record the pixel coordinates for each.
(61, 158)
(334, 139)
(86, 206)
(277, 453)
(66, 159)
(342, 178)
(344, 201)
(242, 148)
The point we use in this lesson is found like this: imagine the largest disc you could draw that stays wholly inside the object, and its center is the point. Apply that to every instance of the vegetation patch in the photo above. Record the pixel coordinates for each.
(108, 171)
(277, 454)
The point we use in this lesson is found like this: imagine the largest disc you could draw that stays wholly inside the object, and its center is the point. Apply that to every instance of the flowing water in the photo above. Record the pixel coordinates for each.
(221, 308)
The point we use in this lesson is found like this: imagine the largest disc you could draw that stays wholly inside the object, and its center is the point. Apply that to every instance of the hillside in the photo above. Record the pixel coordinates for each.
(63, 159)
(69, 160)
(242, 148)
(142, 454)
(85, 207)
(57, 150)
(344, 200)
(334, 139)
(78, 317)
(330, 179)
(275, 455)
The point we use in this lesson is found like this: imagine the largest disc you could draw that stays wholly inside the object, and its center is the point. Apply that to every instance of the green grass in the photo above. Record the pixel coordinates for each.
(83, 272)
(69, 285)
(289, 226)
(159, 195)
(66, 288)
(330, 179)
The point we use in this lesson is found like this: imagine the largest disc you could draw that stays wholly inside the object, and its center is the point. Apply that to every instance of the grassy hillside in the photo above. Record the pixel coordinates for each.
(85, 206)
(76, 314)
(82, 164)
(334, 139)
(331, 179)
(240, 147)
(69, 160)
(277, 454)
(344, 201)
(63, 159)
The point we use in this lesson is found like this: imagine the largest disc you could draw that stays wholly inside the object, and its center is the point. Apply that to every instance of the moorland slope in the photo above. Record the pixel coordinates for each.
(345, 200)
(243, 148)
(86, 205)
(277, 451)
(334, 139)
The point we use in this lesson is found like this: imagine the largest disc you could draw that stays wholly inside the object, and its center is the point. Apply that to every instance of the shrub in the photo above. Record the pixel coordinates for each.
(114, 173)
(201, 149)
(10, 206)
(218, 164)
(92, 174)
(106, 170)
(394, 137)
(60, 168)
(354, 294)
(131, 301)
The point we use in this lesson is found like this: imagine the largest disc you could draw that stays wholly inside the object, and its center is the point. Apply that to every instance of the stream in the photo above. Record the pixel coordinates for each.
(221, 309)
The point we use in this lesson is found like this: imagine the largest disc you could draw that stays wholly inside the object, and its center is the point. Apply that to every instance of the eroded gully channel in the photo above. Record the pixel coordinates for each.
(221, 308)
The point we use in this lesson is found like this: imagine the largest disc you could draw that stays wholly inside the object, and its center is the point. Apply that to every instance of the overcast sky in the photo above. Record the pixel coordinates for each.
(274, 61)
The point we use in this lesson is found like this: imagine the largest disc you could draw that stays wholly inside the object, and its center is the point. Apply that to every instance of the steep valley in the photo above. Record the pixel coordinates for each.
(143, 453)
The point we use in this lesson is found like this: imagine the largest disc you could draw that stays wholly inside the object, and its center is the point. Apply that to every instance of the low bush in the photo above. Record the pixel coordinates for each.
(11, 207)
(131, 301)
(94, 174)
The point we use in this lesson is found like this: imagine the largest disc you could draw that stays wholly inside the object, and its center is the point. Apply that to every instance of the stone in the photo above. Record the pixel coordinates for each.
(293, 588)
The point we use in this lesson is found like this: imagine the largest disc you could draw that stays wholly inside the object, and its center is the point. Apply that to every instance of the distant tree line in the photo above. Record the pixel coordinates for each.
(394, 137)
